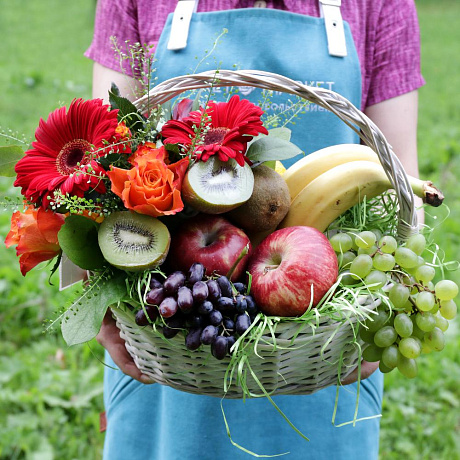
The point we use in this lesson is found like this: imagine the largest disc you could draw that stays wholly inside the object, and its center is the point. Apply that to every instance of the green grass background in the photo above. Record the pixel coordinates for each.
(51, 395)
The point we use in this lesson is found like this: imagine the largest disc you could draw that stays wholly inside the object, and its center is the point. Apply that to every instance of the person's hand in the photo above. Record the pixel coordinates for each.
(109, 338)
(367, 369)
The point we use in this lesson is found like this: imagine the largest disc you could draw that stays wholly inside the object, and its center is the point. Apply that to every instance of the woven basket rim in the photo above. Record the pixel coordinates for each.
(366, 129)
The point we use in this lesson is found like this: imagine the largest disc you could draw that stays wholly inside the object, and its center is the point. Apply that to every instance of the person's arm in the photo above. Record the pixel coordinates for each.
(109, 335)
(103, 77)
(397, 119)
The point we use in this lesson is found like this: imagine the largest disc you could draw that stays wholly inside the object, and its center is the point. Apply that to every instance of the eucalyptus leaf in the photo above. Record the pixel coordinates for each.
(270, 148)
(280, 133)
(78, 239)
(166, 110)
(9, 156)
(83, 319)
(196, 102)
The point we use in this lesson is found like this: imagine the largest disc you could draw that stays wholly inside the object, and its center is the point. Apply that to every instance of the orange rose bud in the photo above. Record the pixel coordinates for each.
(149, 149)
(122, 130)
(151, 187)
(35, 234)
(122, 135)
(97, 217)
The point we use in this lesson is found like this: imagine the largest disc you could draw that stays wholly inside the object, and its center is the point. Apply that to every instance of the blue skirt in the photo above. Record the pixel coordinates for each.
(155, 422)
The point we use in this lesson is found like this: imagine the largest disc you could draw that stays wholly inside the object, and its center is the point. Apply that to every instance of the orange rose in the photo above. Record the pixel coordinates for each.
(150, 149)
(35, 233)
(151, 187)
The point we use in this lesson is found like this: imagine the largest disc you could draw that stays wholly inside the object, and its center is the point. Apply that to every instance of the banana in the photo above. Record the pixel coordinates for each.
(279, 168)
(310, 167)
(328, 196)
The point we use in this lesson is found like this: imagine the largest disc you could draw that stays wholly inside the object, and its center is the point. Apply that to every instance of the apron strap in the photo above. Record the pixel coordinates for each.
(181, 23)
(330, 10)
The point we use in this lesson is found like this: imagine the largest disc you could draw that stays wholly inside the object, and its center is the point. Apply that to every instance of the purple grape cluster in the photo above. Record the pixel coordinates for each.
(211, 310)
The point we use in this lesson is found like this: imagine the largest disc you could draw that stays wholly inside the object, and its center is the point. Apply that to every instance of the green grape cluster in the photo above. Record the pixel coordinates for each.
(420, 310)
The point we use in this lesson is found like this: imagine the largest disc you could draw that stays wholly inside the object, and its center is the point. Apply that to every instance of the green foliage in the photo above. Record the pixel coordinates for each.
(275, 146)
(9, 156)
(439, 119)
(82, 321)
(48, 410)
(50, 395)
(421, 417)
(127, 112)
(78, 239)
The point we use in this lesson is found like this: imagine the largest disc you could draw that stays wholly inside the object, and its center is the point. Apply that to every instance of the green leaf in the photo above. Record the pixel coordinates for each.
(167, 110)
(78, 239)
(270, 148)
(173, 152)
(110, 159)
(115, 90)
(9, 156)
(270, 164)
(84, 318)
(76, 401)
(126, 110)
(196, 102)
(280, 133)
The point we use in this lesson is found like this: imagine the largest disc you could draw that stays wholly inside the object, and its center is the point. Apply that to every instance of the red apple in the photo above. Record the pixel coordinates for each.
(288, 266)
(211, 240)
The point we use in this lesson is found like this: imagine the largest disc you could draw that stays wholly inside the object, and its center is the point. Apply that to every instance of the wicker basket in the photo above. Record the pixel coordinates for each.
(311, 361)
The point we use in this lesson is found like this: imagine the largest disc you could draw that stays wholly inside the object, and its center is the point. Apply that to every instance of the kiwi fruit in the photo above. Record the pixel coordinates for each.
(133, 242)
(215, 186)
(269, 202)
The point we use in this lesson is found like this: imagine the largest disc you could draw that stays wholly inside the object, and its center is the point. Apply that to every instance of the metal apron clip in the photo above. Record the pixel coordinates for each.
(330, 10)
(181, 23)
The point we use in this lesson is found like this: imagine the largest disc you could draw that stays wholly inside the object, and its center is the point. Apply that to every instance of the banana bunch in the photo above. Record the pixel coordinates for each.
(326, 183)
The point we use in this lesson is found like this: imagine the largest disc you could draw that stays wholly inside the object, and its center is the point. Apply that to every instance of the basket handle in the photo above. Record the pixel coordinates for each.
(329, 100)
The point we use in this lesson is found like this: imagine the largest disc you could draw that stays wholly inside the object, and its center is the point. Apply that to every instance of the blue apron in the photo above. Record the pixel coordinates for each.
(155, 422)
(277, 41)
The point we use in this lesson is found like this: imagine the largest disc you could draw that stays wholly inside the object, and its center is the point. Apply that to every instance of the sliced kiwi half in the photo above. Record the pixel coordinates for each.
(216, 186)
(132, 241)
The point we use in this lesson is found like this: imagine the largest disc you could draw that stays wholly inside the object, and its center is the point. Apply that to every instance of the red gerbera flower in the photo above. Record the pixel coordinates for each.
(224, 129)
(67, 145)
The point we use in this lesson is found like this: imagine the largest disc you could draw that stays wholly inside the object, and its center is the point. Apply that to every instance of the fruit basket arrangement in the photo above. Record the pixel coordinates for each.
(225, 277)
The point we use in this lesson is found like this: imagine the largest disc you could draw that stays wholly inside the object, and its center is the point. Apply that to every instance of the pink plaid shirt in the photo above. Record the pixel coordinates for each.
(386, 35)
